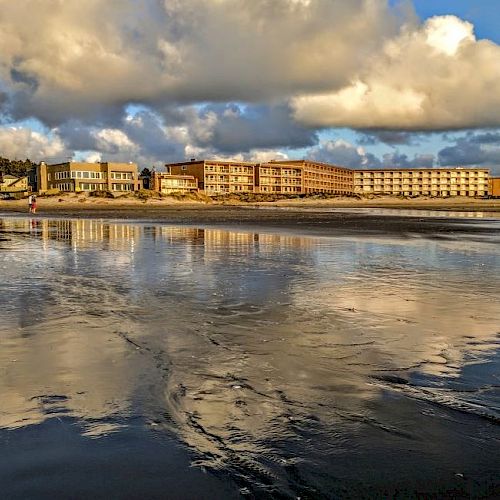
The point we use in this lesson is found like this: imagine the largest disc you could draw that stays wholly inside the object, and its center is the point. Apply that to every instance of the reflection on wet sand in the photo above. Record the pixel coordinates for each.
(265, 354)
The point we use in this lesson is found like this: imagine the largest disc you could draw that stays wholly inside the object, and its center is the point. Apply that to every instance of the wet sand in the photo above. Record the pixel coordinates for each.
(143, 359)
(319, 218)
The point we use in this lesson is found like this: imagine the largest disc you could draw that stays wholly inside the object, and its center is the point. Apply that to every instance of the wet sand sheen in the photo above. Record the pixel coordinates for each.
(277, 364)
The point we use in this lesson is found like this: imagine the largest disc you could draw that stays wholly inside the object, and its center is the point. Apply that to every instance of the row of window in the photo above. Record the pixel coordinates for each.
(442, 192)
(386, 182)
(225, 169)
(359, 175)
(76, 174)
(122, 187)
(90, 186)
(232, 178)
(273, 171)
(166, 183)
(124, 176)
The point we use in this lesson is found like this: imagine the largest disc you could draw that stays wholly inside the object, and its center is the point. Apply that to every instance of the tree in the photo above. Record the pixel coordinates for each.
(19, 168)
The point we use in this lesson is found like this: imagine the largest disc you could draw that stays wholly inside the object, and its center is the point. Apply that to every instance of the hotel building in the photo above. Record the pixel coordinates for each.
(278, 177)
(79, 176)
(218, 177)
(321, 177)
(440, 182)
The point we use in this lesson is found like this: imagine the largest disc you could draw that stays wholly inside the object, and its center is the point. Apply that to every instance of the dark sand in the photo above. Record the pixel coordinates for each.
(317, 220)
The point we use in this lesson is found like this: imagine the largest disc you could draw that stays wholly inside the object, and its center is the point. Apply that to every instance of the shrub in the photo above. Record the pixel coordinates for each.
(51, 192)
(148, 194)
(101, 194)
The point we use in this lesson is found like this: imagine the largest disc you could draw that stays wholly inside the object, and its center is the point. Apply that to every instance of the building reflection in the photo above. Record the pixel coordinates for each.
(85, 233)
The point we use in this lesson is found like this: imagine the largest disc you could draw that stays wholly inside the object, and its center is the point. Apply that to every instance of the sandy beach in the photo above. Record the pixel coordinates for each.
(320, 217)
(77, 203)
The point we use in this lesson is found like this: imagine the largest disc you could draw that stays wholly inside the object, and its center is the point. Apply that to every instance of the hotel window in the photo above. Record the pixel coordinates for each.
(86, 186)
(124, 175)
(122, 187)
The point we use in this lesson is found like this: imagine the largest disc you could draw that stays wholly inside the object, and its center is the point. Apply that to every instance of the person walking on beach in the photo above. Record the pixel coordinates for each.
(33, 204)
(30, 203)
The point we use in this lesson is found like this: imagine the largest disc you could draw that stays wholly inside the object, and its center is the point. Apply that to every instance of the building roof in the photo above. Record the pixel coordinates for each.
(429, 169)
(218, 162)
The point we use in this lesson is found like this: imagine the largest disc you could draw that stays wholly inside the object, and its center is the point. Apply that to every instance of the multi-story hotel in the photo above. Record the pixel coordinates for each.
(218, 177)
(168, 183)
(279, 177)
(79, 176)
(422, 182)
(322, 177)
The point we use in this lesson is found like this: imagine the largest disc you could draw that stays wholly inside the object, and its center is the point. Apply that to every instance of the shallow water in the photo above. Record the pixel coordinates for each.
(150, 361)
(398, 212)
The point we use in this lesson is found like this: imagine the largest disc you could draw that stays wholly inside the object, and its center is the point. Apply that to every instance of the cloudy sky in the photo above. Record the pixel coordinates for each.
(361, 83)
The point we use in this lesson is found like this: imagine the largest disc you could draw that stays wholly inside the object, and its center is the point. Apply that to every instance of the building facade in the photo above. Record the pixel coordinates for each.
(279, 179)
(80, 176)
(12, 184)
(440, 182)
(322, 177)
(494, 187)
(218, 177)
(169, 183)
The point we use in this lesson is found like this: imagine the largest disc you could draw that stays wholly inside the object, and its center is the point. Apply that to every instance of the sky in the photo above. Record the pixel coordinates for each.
(359, 83)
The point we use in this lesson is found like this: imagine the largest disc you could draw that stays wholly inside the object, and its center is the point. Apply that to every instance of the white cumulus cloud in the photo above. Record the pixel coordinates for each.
(435, 76)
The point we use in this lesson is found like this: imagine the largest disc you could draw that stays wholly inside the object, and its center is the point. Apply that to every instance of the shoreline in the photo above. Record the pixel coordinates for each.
(305, 218)
(79, 203)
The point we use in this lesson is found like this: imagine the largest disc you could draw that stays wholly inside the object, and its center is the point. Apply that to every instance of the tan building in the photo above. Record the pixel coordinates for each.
(494, 187)
(284, 177)
(322, 177)
(218, 177)
(79, 176)
(168, 183)
(12, 184)
(279, 179)
(440, 182)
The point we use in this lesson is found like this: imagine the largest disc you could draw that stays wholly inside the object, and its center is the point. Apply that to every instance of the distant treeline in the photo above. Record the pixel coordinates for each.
(19, 168)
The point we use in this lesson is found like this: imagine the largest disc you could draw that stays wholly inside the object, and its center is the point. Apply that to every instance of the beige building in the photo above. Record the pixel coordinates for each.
(279, 179)
(285, 177)
(80, 176)
(168, 183)
(440, 182)
(322, 177)
(218, 177)
(494, 187)
(12, 184)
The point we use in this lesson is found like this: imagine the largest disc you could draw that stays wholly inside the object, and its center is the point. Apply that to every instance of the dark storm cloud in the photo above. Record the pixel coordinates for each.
(342, 153)
(253, 127)
(390, 137)
(482, 149)
(400, 160)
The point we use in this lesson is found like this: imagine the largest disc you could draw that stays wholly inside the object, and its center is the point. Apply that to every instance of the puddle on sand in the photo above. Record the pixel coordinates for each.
(138, 359)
